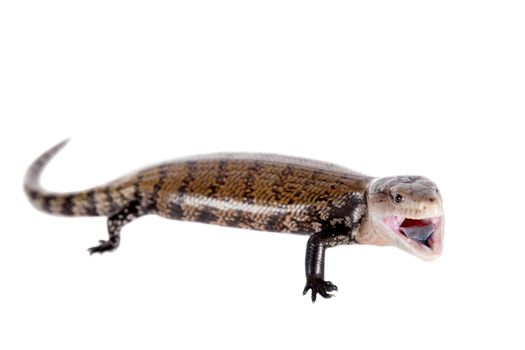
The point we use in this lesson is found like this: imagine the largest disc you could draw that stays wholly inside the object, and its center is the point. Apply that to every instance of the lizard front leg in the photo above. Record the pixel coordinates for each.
(314, 262)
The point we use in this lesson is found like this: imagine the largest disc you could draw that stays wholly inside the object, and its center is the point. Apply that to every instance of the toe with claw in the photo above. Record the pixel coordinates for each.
(104, 246)
(319, 285)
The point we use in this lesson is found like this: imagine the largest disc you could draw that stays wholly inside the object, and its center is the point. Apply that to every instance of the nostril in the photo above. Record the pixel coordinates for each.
(431, 199)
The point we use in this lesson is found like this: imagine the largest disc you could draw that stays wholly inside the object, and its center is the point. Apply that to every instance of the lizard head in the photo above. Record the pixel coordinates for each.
(407, 212)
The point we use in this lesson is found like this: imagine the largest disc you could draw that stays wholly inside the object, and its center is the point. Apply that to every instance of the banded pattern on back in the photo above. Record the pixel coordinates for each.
(262, 192)
(256, 191)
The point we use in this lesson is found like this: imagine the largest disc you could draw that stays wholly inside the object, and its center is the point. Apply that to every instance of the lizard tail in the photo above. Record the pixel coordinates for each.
(65, 204)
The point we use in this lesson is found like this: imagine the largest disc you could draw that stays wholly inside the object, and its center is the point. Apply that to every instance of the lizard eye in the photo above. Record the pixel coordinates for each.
(398, 198)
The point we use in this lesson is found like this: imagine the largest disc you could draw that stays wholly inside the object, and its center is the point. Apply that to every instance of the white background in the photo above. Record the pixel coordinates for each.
(384, 87)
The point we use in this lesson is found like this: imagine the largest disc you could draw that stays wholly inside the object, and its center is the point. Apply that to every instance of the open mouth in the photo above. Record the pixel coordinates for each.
(420, 234)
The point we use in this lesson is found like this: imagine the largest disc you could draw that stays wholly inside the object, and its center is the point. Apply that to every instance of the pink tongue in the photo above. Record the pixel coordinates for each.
(417, 230)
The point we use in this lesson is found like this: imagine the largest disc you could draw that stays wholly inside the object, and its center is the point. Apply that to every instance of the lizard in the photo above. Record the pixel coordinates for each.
(330, 204)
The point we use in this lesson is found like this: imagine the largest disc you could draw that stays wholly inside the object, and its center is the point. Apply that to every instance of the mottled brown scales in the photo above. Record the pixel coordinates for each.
(252, 191)
(256, 191)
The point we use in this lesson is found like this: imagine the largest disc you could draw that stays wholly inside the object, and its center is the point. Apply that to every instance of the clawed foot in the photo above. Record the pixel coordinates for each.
(318, 285)
(104, 246)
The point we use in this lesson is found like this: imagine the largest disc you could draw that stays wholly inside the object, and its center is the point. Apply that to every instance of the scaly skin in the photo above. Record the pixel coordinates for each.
(255, 191)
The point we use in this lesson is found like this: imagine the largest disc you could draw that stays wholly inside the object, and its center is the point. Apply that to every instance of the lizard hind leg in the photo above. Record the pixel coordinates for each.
(115, 224)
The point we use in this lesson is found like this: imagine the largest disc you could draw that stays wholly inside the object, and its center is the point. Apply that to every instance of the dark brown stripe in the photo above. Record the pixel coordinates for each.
(109, 198)
(67, 205)
(91, 209)
(249, 181)
(176, 210)
(33, 195)
(137, 192)
(273, 223)
(219, 179)
(206, 215)
(188, 179)
(163, 174)
(46, 203)
(221, 175)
